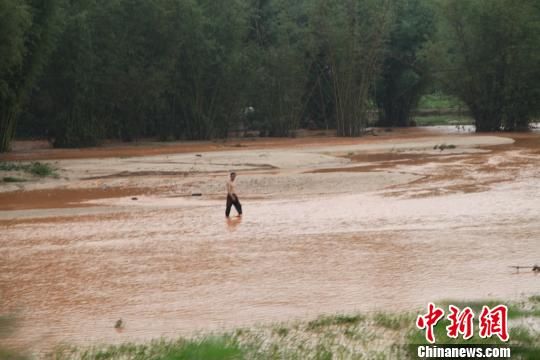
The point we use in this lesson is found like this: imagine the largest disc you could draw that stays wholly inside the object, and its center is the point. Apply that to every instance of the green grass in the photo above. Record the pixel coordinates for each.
(325, 321)
(8, 355)
(439, 101)
(5, 166)
(393, 321)
(34, 168)
(209, 348)
(7, 326)
(434, 120)
(282, 331)
(40, 169)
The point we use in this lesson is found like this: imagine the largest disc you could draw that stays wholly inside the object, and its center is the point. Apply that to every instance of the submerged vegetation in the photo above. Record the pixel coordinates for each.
(36, 168)
(78, 72)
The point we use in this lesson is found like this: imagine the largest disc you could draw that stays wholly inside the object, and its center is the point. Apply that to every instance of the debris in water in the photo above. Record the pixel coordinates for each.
(535, 268)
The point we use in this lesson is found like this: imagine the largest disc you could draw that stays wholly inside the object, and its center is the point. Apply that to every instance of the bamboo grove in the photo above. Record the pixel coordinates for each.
(82, 71)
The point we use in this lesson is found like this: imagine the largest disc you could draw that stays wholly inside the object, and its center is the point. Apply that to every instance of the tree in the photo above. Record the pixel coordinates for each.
(193, 69)
(276, 66)
(68, 87)
(404, 75)
(353, 34)
(26, 39)
(490, 51)
(133, 46)
(207, 74)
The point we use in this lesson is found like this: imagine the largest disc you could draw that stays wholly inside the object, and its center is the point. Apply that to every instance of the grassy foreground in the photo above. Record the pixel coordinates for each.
(374, 336)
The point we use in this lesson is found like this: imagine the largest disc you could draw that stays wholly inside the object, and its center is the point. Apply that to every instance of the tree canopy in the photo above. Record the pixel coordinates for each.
(81, 71)
(488, 54)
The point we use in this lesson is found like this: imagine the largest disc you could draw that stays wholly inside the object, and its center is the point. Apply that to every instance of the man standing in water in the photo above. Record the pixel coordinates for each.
(232, 198)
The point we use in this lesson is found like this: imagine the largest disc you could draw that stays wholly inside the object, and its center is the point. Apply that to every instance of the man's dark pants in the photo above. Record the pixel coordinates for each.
(230, 203)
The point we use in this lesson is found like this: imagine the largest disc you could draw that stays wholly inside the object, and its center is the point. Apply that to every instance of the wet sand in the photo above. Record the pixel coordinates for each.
(373, 224)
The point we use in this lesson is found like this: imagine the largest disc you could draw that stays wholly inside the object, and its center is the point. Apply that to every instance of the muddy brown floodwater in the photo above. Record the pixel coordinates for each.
(334, 228)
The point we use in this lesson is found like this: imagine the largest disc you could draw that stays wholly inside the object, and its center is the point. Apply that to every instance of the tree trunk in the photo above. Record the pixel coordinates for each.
(7, 128)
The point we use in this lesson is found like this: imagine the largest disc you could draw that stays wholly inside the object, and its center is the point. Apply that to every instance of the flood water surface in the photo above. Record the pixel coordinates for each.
(170, 266)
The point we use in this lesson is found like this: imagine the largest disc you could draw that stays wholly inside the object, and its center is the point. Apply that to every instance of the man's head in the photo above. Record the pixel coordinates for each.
(233, 176)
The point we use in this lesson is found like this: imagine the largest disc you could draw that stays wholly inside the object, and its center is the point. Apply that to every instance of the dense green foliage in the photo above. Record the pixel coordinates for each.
(405, 74)
(26, 35)
(80, 71)
(353, 34)
(488, 55)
